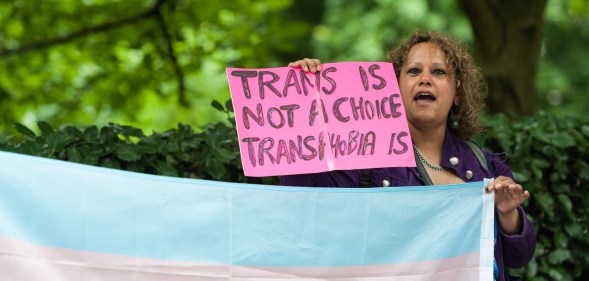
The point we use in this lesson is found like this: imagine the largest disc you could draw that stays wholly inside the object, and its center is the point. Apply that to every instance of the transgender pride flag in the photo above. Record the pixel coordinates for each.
(66, 221)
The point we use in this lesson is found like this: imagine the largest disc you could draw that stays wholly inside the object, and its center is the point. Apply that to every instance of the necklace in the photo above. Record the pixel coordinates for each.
(427, 163)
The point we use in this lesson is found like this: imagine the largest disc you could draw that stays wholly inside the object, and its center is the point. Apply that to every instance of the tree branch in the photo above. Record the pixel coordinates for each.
(173, 59)
(153, 11)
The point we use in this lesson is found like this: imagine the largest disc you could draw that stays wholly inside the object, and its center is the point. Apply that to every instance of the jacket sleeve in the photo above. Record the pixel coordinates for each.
(349, 178)
(519, 249)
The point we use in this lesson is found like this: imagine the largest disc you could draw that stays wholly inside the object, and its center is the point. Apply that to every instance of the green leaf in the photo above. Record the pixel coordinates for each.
(562, 140)
(171, 159)
(56, 141)
(127, 152)
(574, 230)
(29, 147)
(545, 200)
(110, 163)
(136, 166)
(229, 105)
(184, 132)
(585, 130)
(125, 131)
(91, 133)
(108, 136)
(92, 154)
(561, 240)
(218, 105)
(171, 147)
(74, 155)
(24, 130)
(556, 274)
(566, 202)
(558, 256)
(73, 132)
(165, 169)
(145, 149)
(216, 169)
(45, 128)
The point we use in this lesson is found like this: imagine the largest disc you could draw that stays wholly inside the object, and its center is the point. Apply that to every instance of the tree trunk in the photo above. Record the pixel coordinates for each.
(508, 40)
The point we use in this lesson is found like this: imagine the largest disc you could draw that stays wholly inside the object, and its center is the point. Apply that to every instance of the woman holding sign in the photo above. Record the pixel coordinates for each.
(443, 92)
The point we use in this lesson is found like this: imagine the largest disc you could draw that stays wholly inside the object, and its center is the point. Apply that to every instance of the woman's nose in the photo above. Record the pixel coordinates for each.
(425, 79)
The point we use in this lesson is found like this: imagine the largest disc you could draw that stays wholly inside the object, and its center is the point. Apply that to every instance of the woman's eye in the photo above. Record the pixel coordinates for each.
(413, 70)
(438, 72)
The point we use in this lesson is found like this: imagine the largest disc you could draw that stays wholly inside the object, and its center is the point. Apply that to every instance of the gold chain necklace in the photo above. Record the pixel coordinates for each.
(425, 162)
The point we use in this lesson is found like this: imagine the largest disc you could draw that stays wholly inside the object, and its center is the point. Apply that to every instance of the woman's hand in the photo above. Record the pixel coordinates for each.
(306, 64)
(508, 196)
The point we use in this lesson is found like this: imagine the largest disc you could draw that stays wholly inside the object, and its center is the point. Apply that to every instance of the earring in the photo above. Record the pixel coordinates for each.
(457, 83)
(454, 120)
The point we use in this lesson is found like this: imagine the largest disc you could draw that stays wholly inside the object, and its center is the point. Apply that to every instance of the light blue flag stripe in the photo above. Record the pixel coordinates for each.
(73, 206)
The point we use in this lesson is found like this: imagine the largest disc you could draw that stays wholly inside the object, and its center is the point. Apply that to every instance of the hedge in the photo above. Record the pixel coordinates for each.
(549, 156)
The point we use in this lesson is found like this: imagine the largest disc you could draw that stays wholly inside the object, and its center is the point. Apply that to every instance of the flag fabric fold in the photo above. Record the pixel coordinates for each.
(67, 221)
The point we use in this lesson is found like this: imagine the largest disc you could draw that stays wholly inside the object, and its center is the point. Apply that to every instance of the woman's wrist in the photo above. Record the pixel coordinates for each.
(510, 222)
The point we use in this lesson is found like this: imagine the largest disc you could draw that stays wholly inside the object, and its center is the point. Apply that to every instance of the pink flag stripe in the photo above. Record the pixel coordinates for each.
(27, 262)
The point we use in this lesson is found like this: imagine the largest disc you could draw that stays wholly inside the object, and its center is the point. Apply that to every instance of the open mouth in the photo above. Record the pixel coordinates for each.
(424, 96)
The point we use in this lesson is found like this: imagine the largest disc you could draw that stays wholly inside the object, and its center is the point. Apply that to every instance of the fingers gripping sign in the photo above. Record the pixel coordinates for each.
(312, 65)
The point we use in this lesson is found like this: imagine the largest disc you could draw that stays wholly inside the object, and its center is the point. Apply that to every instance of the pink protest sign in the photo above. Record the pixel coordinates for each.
(348, 116)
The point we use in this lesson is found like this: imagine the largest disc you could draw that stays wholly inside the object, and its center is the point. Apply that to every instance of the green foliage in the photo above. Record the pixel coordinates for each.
(549, 157)
(563, 68)
(381, 24)
(137, 62)
(180, 152)
(155, 63)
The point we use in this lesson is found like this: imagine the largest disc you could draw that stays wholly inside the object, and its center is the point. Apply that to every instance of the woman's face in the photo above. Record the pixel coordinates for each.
(426, 86)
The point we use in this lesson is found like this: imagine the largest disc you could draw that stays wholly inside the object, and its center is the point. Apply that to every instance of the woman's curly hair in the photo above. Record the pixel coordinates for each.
(472, 90)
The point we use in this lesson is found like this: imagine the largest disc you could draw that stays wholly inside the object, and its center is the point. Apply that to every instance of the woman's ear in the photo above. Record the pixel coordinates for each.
(456, 96)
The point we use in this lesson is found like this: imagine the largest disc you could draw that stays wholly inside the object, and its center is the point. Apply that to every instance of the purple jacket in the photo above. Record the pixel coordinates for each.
(510, 250)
